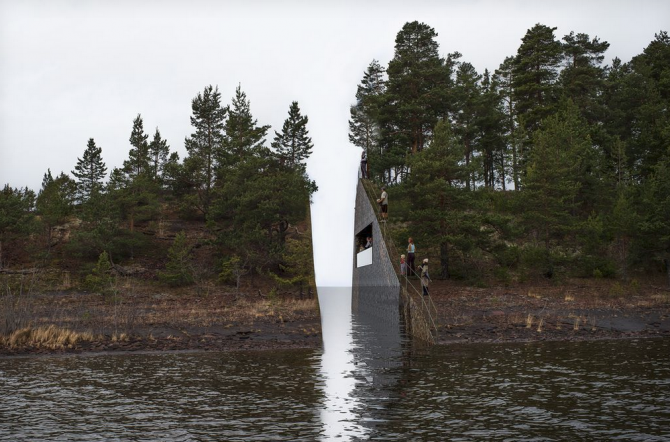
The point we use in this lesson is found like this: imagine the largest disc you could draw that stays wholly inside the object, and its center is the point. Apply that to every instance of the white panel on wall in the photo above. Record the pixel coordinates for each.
(364, 258)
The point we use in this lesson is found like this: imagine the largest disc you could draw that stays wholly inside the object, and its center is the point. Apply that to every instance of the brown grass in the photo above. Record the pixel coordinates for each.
(50, 337)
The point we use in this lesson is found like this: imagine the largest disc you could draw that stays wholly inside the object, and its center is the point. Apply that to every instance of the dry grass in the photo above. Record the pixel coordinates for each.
(529, 321)
(50, 337)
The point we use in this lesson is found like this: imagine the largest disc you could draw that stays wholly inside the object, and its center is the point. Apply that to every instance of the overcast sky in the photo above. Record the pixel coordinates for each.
(74, 70)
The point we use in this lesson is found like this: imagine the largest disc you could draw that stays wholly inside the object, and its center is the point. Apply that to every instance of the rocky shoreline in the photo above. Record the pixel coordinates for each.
(574, 311)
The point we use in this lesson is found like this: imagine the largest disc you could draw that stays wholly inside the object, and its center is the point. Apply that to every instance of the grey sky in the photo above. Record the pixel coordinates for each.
(72, 70)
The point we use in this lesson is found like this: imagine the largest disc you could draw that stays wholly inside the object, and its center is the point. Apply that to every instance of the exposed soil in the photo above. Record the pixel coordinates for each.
(150, 320)
(573, 311)
(171, 321)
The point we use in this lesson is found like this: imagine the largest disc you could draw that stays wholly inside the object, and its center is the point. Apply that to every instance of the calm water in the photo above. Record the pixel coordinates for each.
(368, 384)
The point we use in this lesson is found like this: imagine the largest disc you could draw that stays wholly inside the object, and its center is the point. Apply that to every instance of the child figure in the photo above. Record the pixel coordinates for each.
(403, 266)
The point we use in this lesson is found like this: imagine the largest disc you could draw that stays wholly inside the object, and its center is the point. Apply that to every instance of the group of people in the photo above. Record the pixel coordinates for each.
(421, 271)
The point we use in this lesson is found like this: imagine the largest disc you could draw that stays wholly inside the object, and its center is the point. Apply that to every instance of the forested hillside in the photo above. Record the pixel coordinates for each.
(555, 164)
(233, 209)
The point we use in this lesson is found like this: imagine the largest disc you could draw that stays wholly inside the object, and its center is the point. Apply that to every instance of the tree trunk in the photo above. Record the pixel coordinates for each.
(667, 269)
(0, 254)
(444, 259)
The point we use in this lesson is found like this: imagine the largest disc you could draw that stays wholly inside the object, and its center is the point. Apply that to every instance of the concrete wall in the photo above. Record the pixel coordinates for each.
(381, 272)
(383, 300)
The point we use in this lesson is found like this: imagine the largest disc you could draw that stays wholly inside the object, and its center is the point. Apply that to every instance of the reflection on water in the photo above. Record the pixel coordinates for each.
(368, 384)
(337, 367)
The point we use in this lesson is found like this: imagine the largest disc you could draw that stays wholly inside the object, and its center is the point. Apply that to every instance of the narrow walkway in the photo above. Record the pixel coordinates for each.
(420, 311)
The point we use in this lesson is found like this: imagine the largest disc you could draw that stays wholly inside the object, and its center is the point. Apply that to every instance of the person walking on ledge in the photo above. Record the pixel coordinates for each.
(425, 277)
(410, 256)
(384, 203)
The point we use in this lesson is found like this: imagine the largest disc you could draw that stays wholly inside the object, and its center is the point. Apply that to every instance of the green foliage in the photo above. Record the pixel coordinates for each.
(293, 145)
(138, 162)
(535, 72)
(89, 171)
(179, 269)
(204, 148)
(160, 159)
(16, 215)
(55, 203)
(100, 279)
(232, 270)
(297, 268)
(255, 207)
(99, 230)
(364, 125)
(552, 184)
(243, 137)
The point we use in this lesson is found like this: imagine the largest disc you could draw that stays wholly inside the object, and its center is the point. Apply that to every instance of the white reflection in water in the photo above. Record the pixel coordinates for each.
(337, 365)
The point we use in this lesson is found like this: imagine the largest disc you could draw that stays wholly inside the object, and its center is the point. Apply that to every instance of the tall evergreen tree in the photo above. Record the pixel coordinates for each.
(158, 153)
(138, 158)
(364, 124)
(535, 71)
(655, 226)
(439, 201)
(638, 98)
(551, 196)
(293, 145)
(492, 133)
(416, 89)
(89, 171)
(583, 78)
(243, 137)
(55, 202)
(16, 215)
(467, 98)
(504, 77)
(204, 146)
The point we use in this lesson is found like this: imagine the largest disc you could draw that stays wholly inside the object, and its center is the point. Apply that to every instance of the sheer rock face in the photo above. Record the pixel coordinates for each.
(62, 233)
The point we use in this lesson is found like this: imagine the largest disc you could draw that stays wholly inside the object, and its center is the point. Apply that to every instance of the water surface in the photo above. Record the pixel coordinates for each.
(369, 383)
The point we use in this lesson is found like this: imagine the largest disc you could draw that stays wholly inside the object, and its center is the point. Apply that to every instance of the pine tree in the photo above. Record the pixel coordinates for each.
(364, 125)
(16, 215)
(492, 133)
(138, 158)
(504, 78)
(293, 145)
(204, 146)
(417, 86)
(89, 171)
(535, 72)
(179, 269)
(467, 98)
(655, 226)
(100, 280)
(555, 181)
(439, 201)
(242, 135)
(55, 202)
(583, 78)
(158, 153)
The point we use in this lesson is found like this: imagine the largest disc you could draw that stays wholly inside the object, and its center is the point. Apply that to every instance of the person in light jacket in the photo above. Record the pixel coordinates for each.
(425, 277)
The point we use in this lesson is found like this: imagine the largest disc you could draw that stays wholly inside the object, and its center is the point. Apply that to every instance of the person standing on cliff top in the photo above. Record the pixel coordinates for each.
(384, 203)
(410, 255)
